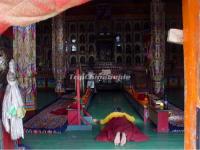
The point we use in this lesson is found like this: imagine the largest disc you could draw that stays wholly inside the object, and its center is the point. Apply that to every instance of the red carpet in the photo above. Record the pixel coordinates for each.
(64, 111)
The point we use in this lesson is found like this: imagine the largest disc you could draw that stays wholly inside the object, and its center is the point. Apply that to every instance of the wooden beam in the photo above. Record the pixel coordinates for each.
(190, 25)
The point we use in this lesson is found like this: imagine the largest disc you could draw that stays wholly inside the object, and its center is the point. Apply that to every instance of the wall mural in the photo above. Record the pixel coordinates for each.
(128, 38)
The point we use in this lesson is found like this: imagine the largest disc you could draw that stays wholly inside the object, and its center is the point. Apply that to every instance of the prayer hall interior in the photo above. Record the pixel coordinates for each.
(85, 62)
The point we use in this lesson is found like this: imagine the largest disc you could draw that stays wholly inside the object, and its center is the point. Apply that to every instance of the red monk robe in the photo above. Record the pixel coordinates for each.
(120, 122)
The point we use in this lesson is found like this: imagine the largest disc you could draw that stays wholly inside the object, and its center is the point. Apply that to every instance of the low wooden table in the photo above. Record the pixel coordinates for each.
(160, 118)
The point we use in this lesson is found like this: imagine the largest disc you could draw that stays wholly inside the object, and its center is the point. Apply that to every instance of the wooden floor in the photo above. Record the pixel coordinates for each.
(102, 104)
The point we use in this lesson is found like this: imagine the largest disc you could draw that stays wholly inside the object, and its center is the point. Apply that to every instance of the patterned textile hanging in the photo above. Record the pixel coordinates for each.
(24, 53)
(157, 47)
(58, 52)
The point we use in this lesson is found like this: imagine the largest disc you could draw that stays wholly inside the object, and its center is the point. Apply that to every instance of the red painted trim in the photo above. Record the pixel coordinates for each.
(7, 142)
(163, 125)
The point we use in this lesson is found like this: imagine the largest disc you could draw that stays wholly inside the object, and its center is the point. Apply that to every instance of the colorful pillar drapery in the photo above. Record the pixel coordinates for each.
(24, 54)
(58, 52)
(157, 48)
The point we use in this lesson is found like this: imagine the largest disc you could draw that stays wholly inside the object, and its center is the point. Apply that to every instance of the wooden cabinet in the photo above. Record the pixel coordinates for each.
(160, 118)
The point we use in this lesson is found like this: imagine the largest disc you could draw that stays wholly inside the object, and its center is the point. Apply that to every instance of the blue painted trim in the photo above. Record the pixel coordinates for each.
(46, 130)
(79, 128)
(175, 129)
(89, 119)
(89, 101)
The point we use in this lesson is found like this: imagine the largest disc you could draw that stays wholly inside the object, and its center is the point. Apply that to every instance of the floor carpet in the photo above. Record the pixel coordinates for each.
(47, 122)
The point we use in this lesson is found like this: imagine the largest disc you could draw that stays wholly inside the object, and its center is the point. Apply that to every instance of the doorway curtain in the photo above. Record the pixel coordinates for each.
(26, 12)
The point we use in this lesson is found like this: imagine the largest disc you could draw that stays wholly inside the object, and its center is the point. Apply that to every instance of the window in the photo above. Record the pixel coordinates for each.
(128, 60)
(119, 48)
(133, 51)
(146, 26)
(104, 29)
(137, 26)
(137, 49)
(145, 60)
(91, 49)
(73, 39)
(91, 38)
(128, 49)
(91, 60)
(118, 27)
(118, 43)
(145, 50)
(128, 38)
(118, 38)
(73, 60)
(137, 37)
(128, 27)
(91, 27)
(137, 60)
(66, 46)
(82, 28)
(119, 60)
(73, 28)
(82, 49)
(82, 60)
(82, 38)
(73, 48)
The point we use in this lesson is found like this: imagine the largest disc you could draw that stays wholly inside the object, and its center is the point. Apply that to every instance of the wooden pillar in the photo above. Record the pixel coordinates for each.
(157, 48)
(58, 52)
(24, 54)
(191, 68)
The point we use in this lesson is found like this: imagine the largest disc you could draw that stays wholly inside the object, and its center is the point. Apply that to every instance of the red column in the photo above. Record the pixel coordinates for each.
(78, 96)
(191, 67)
(7, 142)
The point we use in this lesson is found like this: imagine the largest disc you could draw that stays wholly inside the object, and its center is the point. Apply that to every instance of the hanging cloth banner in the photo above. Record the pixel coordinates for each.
(26, 12)
(24, 53)
(157, 48)
(13, 107)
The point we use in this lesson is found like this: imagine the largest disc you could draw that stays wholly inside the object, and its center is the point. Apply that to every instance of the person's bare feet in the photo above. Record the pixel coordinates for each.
(123, 139)
(117, 139)
(96, 121)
